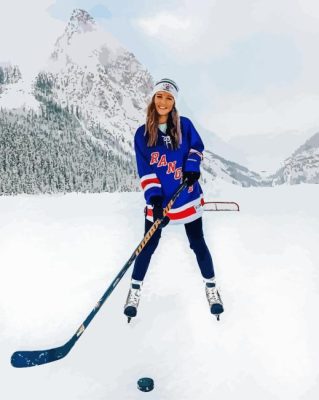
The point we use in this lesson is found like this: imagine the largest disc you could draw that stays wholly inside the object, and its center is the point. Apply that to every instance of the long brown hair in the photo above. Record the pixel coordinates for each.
(152, 122)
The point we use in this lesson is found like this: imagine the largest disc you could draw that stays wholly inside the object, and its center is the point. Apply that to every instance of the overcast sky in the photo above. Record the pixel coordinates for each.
(247, 67)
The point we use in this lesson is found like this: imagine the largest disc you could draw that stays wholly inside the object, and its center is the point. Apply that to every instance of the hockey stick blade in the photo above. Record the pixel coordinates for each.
(23, 359)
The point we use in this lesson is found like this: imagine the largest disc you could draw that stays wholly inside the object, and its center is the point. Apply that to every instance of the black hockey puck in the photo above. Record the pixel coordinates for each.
(145, 384)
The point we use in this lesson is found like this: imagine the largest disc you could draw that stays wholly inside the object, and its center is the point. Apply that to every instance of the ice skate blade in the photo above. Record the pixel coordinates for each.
(129, 319)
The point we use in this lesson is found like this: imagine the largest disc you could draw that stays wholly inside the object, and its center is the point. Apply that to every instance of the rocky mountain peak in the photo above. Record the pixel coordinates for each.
(80, 22)
(81, 16)
(311, 143)
(302, 166)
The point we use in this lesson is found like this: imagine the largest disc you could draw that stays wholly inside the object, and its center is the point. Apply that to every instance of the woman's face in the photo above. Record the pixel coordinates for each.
(164, 103)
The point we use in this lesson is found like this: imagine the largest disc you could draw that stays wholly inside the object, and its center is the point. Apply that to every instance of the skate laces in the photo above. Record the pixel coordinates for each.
(133, 297)
(212, 294)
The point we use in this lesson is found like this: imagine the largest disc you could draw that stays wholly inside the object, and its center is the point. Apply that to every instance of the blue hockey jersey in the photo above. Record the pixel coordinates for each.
(161, 170)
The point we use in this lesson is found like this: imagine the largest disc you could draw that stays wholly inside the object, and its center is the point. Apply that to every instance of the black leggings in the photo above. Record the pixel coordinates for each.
(194, 232)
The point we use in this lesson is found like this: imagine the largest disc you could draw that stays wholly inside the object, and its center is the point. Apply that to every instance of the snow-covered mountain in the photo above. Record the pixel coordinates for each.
(93, 86)
(79, 137)
(302, 166)
(91, 72)
(215, 166)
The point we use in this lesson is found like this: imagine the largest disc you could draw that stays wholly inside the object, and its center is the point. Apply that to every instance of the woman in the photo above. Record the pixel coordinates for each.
(168, 151)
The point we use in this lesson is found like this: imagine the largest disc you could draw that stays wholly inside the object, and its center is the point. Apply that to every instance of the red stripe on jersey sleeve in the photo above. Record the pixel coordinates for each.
(148, 181)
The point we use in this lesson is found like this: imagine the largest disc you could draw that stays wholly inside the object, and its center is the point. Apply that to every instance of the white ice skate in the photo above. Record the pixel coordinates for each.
(132, 301)
(213, 298)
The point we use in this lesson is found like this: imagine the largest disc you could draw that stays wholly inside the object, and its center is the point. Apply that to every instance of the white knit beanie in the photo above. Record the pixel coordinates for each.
(166, 85)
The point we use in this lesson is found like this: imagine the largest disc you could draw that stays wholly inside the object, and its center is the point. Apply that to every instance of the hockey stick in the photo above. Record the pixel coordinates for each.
(22, 359)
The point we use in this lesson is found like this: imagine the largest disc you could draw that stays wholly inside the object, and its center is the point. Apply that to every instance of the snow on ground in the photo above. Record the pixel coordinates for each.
(59, 254)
